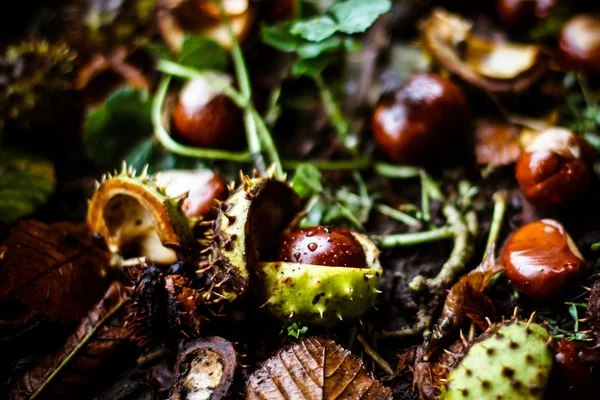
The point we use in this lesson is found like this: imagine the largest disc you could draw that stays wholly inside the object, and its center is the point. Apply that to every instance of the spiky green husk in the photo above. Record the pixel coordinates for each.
(249, 222)
(30, 73)
(99, 25)
(316, 294)
(511, 361)
(168, 219)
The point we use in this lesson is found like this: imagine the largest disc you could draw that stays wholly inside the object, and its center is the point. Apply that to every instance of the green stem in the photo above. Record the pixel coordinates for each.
(397, 171)
(329, 165)
(79, 346)
(167, 141)
(412, 239)
(334, 111)
(181, 71)
(241, 72)
(397, 215)
(267, 140)
(425, 210)
(497, 218)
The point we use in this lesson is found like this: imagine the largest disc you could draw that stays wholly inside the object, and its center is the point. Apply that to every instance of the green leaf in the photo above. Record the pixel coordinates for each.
(295, 331)
(315, 49)
(311, 66)
(201, 52)
(314, 29)
(307, 180)
(354, 16)
(112, 130)
(26, 184)
(574, 315)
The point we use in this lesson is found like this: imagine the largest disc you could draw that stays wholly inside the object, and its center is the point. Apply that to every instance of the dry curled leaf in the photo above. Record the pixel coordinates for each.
(66, 372)
(314, 368)
(465, 300)
(496, 143)
(49, 272)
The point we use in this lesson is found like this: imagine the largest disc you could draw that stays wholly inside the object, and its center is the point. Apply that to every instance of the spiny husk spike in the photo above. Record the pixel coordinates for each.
(255, 173)
(231, 186)
(144, 173)
(463, 338)
(489, 321)
(530, 320)
(339, 316)
(270, 171)
(515, 312)
(96, 185)
(123, 168)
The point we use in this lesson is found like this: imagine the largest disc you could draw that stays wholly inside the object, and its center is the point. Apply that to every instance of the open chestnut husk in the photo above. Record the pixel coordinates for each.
(555, 168)
(426, 114)
(203, 116)
(542, 261)
(501, 67)
(256, 240)
(579, 43)
(205, 369)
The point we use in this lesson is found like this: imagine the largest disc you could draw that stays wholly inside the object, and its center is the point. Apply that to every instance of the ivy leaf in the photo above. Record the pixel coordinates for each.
(26, 183)
(314, 368)
(354, 16)
(202, 52)
(314, 29)
(307, 180)
(112, 130)
(282, 39)
(314, 49)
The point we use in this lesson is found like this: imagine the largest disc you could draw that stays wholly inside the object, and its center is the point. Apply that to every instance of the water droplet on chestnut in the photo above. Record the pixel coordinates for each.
(542, 261)
(334, 247)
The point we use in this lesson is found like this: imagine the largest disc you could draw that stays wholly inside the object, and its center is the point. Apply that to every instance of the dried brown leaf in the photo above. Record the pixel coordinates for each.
(314, 368)
(465, 300)
(48, 271)
(66, 372)
(496, 143)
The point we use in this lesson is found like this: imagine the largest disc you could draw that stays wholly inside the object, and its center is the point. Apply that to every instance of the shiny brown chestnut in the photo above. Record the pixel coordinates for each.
(424, 115)
(321, 245)
(204, 117)
(203, 189)
(579, 43)
(542, 261)
(555, 168)
(514, 12)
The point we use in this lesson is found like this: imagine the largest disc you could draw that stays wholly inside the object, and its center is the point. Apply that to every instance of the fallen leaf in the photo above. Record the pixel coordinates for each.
(49, 272)
(314, 368)
(496, 143)
(66, 372)
(465, 300)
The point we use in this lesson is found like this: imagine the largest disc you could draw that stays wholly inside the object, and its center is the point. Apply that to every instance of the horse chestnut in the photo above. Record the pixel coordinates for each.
(542, 261)
(334, 247)
(555, 168)
(421, 117)
(579, 43)
(203, 188)
(205, 117)
(513, 12)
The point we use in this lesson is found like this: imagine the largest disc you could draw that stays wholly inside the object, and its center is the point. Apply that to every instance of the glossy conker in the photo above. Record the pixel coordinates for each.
(571, 375)
(542, 261)
(579, 43)
(205, 117)
(555, 168)
(513, 12)
(424, 115)
(334, 247)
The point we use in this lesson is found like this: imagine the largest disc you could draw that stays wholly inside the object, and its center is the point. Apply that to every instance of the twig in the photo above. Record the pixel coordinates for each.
(374, 355)
(461, 253)
(422, 323)
(497, 218)
(411, 239)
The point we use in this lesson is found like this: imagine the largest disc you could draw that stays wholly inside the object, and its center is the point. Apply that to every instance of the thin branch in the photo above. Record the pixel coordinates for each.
(374, 355)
